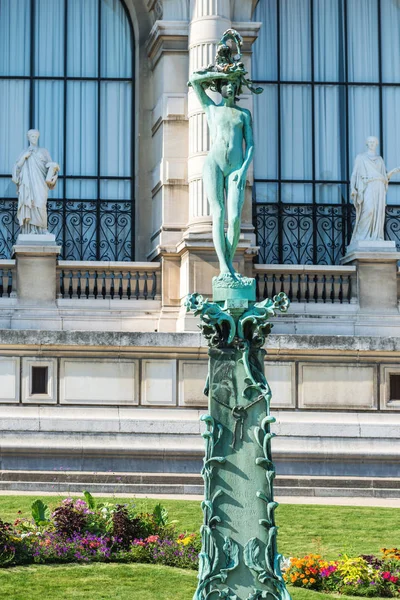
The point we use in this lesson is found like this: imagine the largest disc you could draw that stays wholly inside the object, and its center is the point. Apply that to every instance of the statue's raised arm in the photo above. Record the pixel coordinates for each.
(202, 80)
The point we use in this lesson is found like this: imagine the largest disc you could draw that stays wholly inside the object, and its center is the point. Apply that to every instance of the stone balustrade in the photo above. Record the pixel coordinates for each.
(7, 278)
(308, 283)
(109, 280)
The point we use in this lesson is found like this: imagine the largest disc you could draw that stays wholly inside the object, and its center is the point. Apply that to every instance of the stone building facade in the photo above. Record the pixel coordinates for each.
(101, 368)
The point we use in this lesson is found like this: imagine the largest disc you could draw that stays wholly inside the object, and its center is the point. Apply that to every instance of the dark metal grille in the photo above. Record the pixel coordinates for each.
(314, 231)
(98, 228)
(310, 234)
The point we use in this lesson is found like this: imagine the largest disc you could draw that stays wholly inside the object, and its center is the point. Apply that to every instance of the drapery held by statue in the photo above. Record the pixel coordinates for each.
(34, 174)
(369, 183)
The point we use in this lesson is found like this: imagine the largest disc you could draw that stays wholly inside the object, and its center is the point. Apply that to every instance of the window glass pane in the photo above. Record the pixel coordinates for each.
(330, 132)
(266, 192)
(329, 52)
(115, 189)
(83, 38)
(115, 129)
(82, 140)
(363, 51)
(265, 48)
(58, 191)
(116, 40)
(295, 32)
(15, 18)
(297, 193)
(393, 197)
(363, 118)
(391, 129)
(330, 193)
(49, 38)
(14, 121)
(266, 133)
(49, 117)
(81, 188)
(390, 22)
(296, 151)
(8, 188)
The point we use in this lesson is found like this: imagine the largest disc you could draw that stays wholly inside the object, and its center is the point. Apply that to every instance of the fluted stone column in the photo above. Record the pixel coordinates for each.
(210, 18)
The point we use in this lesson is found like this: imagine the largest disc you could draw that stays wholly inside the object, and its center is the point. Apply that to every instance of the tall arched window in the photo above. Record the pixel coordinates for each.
(66, 68)
(331, 76)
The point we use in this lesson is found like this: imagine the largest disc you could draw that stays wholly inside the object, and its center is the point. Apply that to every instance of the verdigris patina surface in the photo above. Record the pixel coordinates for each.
(239, 559)
(231, 151)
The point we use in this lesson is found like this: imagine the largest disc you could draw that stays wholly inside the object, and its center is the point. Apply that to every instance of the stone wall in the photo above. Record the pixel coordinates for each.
(131, 402)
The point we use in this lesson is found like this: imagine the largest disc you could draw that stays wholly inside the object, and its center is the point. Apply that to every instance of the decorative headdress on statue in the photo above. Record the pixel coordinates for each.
(228, 61)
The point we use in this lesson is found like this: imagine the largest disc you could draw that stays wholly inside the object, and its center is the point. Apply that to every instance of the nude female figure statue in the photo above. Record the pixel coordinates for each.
(232, 146)
(226, 165)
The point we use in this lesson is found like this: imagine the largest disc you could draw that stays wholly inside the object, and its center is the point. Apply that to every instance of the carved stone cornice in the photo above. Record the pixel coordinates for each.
(167, 36)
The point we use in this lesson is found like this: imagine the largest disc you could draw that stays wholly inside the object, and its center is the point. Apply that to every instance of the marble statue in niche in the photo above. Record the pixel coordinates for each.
(368, 184)
(34, 174)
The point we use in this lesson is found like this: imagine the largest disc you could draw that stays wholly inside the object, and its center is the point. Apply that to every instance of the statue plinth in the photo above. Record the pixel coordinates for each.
(369, 246)
(239, 558)
(36, 257)
(376, 261)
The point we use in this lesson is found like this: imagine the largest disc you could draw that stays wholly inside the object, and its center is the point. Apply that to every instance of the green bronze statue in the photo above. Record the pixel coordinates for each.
(239, 558)
(226, 166)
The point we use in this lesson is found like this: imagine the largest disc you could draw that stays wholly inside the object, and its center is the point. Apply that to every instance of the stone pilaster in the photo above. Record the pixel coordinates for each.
(167, 48)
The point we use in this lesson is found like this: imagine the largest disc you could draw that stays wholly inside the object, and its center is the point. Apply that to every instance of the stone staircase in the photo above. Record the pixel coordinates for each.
(187, 484)
(140, 450)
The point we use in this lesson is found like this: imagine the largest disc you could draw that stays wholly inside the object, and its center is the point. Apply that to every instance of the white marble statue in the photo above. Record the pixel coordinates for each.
(369, 183)
(34, 173)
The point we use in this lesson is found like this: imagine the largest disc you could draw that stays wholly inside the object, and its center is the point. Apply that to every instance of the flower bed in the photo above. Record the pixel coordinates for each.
(87, 531)
(368, 576)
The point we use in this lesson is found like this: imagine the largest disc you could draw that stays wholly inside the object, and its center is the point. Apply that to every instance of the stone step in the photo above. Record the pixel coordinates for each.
(189, 484)
(100, 478)
(101, 488)
(283, 481)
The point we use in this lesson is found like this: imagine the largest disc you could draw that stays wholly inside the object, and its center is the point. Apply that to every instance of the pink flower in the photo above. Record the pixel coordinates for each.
(152, 538)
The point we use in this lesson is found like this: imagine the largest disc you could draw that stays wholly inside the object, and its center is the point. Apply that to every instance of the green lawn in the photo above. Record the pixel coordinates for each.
(108, 582)
(327, 530)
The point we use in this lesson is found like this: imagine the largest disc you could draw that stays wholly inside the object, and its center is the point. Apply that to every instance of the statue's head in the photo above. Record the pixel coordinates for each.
(33, 136)
(372, 143)
(228, 89)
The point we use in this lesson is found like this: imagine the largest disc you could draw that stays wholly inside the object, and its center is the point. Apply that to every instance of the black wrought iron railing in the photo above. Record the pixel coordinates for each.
(310, 234)
(85, 229)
